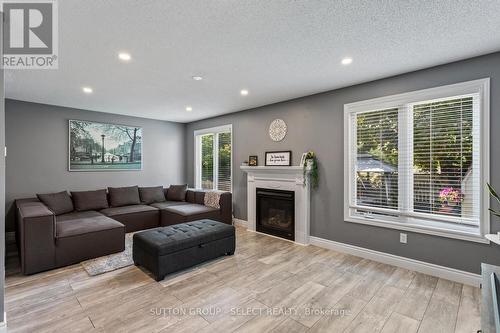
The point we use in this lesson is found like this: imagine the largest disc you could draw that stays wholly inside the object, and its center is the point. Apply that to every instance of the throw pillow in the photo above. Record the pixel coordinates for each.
(124, 196)
(177, 192)
(151, 195)
(199, 197)
(90, 200)
(59, 203)
(212, 199)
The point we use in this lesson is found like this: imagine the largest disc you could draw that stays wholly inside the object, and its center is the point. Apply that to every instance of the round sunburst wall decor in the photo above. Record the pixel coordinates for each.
(277, 130)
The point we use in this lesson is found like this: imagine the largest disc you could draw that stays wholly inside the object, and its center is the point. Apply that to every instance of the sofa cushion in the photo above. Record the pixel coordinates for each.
(123, 196)
(195, 196)
(177, 192)
(190, 209)
(78, 215)
(90, 200)
(190, 196)
(199, 197)
(79, 223)
(86, 235)
(151, 195)
(114, 211)
(163, 205)
(135, 217)
(185, 213)
(59, 203)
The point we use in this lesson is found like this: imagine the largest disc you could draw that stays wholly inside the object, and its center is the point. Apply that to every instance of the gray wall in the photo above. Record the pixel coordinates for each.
(316, 123)
(37, 148)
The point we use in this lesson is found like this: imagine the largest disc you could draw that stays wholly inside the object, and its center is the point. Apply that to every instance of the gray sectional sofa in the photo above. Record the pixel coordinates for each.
(58, 229)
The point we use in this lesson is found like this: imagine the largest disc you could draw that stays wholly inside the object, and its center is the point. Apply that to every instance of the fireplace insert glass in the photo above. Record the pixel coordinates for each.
(276, 212)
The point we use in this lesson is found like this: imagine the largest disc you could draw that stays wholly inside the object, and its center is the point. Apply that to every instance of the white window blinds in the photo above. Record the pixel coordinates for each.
(207, 161)
(213, 167)
(376, 159)
(445, 159)
(419, 161)
(224, 161)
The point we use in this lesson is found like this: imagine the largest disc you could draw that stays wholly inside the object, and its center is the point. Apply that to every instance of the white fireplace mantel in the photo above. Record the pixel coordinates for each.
(288, 178)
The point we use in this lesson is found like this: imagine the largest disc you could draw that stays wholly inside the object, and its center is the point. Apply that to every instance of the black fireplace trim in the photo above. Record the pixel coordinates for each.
(274, 231)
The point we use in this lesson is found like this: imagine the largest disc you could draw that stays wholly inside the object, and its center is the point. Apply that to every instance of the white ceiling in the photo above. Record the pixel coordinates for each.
(276, 49)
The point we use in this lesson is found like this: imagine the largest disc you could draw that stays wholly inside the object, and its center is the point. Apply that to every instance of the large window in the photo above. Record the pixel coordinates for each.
(419, 161)
(213, 158)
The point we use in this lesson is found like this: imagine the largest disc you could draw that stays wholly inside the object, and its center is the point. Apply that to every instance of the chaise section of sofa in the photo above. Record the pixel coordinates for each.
(85, 235)
(47, 241)
(193, 208)
(224, 213)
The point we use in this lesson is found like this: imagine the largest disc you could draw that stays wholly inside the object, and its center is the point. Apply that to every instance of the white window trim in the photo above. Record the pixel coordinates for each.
(197, 152)
(481, 87)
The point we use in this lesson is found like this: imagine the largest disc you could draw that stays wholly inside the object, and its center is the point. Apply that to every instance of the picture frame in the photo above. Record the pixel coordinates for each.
(253, 160)
(96, 146)
(303, 159)
(278, 158)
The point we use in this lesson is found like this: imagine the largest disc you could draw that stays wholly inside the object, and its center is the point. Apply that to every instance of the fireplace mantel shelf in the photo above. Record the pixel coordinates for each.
(273, 169)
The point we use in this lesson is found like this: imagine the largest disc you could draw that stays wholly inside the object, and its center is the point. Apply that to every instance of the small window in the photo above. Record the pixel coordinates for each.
(419, 161)
(213, 159)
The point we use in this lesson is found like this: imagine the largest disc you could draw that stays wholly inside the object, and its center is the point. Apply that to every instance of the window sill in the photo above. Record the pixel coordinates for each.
(434, 231)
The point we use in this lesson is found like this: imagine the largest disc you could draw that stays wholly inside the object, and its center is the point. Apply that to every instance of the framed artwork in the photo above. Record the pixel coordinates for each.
(279, 158)
(303, 159)
(97, 146)
(253, 160)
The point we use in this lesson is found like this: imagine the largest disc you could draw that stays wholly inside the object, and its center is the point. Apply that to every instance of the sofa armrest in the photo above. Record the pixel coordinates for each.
(226, 207)
(36, 233)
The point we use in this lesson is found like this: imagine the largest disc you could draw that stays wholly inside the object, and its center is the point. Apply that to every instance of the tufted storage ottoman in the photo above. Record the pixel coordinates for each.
(168, 249)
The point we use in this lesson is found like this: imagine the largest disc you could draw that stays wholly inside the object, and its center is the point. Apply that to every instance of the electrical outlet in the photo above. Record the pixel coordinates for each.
(402, 238)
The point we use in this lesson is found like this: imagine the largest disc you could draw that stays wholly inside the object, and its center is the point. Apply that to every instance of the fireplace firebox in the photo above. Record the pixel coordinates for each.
(276, 212)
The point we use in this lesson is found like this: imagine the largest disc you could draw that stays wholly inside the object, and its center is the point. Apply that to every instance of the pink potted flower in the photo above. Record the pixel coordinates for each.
(451, 200)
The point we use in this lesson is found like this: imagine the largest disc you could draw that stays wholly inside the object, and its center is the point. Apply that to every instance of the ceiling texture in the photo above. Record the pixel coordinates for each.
(276, 49)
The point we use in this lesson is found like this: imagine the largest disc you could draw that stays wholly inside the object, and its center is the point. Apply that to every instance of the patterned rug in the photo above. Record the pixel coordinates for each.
(111, 262)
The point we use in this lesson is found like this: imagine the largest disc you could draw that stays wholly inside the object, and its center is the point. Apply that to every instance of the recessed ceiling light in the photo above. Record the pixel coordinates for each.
(243, 92)
(197, 78)
(87, 90)
(124, 56)
(347, 61)
(189, 109)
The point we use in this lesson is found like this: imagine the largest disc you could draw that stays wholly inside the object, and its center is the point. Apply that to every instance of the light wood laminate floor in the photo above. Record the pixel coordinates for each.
(269, 285)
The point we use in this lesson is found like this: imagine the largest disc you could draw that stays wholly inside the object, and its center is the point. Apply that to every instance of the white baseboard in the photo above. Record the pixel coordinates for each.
(407, 263)
(239, 223)
(451, 274)
(3, 324)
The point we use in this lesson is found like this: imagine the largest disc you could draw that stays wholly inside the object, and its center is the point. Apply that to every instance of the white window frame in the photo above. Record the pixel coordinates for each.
(197, 152)
(479, 87)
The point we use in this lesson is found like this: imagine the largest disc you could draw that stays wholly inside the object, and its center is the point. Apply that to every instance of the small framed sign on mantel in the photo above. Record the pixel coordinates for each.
(279, 158)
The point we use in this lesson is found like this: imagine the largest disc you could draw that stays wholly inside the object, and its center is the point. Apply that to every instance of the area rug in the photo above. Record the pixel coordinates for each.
(111, 262)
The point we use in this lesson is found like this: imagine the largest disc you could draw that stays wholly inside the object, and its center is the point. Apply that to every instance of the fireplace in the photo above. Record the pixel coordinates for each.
(276, 212)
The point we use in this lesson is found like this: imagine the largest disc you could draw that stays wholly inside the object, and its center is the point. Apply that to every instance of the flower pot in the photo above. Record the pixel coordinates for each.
(450, 209)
